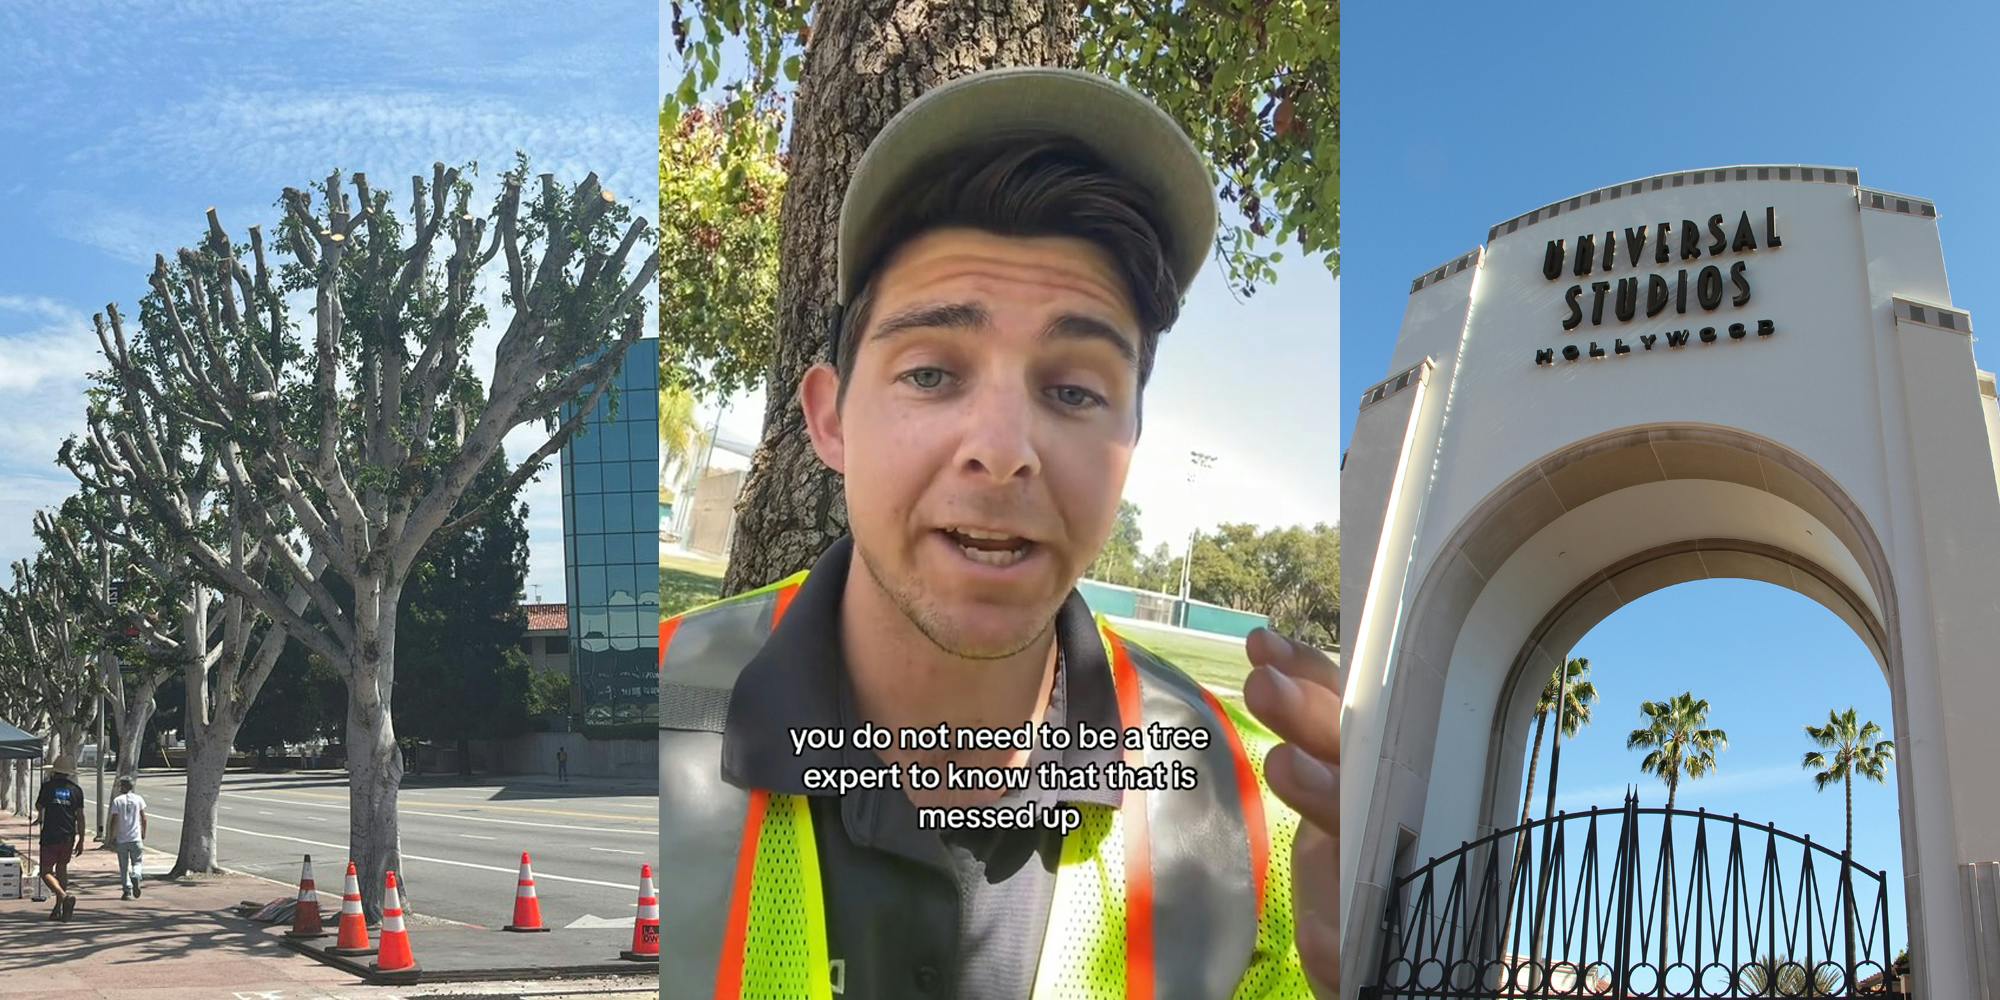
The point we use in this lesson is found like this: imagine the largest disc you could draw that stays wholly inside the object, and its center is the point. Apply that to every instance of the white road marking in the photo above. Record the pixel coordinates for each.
(539, 875)
(613, 831)
(614, 850)
(591, 921)
(474, 836)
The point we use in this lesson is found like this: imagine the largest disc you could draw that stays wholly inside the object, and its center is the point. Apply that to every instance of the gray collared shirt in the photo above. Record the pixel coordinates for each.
(911, 913)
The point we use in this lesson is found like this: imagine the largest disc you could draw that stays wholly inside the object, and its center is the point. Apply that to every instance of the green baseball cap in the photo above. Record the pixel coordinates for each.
(1128, 132)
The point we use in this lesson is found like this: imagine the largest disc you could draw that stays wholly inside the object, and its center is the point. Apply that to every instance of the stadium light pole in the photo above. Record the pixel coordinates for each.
(1199, 462)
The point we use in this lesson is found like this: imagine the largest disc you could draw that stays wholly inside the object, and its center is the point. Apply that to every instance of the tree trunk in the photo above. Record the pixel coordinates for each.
(1534, 761)
(1849, 782)
(132, 727)
(374, 773)
(207, 759)
(865, 60)
(374, 760)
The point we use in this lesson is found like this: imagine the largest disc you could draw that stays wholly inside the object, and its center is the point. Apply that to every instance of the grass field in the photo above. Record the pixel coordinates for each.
(687, 583)
(1219, 661)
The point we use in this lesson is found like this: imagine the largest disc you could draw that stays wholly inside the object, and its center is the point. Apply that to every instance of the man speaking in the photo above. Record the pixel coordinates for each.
(921, 768)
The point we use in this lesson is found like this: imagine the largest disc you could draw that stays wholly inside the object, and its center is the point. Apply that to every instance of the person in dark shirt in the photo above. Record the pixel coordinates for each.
(59, 809)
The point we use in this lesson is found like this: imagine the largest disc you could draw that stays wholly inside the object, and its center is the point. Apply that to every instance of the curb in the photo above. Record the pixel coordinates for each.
(360, 969)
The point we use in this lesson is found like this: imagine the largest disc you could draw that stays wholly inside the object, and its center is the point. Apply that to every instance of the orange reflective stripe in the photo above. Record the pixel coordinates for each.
(1138, 850)
(784, 601)
(729, 974)
(1252, 801)
(667, 636)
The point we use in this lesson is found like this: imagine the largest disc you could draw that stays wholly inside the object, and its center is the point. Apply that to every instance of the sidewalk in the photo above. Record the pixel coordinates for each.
(181, 940)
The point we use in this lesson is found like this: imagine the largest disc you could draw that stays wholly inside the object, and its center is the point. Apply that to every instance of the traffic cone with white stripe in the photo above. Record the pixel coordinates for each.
(353, 922)
(527, 907)
(305, 916)
(646, 926)
(395, 963)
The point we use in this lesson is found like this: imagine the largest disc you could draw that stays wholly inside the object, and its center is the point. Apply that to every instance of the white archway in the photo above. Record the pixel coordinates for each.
(1499, 503)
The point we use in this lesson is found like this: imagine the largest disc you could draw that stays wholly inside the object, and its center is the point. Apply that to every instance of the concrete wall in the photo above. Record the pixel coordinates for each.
(712, 522)
(535, 753)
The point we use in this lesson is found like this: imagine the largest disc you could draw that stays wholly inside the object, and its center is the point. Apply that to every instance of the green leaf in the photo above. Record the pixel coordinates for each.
(792, 69)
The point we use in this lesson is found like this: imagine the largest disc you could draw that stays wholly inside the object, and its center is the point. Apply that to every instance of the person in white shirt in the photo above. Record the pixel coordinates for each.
(128, 833)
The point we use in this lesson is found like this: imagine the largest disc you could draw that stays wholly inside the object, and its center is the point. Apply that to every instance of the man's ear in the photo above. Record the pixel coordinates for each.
(819, 397)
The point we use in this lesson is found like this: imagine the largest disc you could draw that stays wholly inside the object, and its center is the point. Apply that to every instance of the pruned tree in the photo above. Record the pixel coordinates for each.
(57, 672)
(136, 644)
(356, 444)
(220, 643)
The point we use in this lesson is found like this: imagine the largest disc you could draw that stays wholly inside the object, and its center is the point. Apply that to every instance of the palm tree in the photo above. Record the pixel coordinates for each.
(1855, 750)
(1575, 716)
(1781, 976)
(680, 435)
(1680, 743)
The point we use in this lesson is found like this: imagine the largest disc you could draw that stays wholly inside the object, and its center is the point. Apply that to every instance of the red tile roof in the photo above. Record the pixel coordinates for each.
(547, 617)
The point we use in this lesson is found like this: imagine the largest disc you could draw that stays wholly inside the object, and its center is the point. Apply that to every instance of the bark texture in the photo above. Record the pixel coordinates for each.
(866, 59)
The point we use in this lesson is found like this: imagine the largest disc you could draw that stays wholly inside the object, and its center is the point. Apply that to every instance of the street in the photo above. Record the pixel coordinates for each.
(462, 842)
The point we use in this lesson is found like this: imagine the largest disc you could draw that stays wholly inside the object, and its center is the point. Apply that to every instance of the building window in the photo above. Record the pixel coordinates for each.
(556, 645)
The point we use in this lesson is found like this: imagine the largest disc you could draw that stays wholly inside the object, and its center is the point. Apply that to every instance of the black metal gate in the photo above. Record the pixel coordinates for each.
(1574, 907)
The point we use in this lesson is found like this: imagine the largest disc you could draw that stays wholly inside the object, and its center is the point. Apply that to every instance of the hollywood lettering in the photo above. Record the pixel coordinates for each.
(1624, 298)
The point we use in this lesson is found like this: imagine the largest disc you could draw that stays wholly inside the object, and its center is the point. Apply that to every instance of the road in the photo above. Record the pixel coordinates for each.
(462, 842)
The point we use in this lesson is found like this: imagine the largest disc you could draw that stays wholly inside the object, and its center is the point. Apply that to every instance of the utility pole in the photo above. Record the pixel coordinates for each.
(1198, 463)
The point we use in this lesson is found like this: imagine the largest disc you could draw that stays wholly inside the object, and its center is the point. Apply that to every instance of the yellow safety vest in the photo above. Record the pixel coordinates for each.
(1146, 907)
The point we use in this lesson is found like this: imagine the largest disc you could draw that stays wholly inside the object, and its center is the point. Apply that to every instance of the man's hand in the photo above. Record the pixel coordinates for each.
(1293, 690)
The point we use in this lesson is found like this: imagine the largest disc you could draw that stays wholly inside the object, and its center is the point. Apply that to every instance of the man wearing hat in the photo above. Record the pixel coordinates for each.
(59, 809)
(1011, 246)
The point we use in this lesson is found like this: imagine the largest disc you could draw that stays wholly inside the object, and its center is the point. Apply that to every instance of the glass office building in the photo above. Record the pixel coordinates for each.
(611, 551)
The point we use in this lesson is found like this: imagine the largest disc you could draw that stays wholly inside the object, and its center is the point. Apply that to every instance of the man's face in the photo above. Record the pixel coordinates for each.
(985, 432)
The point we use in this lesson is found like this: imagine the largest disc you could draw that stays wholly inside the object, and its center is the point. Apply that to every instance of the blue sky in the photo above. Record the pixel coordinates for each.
(125, 122)
(1454, 123)
(1247, 381)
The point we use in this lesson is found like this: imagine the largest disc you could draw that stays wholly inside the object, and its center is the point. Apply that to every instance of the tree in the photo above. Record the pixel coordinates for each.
(722, 182)
(464, 675)
(1855, 751)
(53, 662)
(136, 650)
(359, 446)
(1783, 976)
(1253, 81)
(1291, 575)
(1118, 561)
(302, 700)
(681, 437)
(1680, 742)
(1575, 715)
(223, 643)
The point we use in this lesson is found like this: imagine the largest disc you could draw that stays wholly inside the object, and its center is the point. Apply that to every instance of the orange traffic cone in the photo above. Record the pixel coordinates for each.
(395, 964)
(305, 916)
(646, 926)
(527, 907)
(353, 923)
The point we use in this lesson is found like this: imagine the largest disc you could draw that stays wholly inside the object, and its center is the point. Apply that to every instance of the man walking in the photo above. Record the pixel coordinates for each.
(59, 809)
(562, 763)
(128, 835)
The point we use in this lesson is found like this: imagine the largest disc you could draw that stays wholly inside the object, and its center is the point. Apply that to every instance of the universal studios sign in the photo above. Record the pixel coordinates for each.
(1689, 295)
